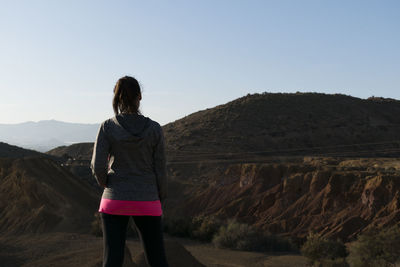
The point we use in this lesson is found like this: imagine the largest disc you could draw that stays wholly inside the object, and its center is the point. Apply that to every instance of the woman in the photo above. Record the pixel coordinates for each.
(129, 162)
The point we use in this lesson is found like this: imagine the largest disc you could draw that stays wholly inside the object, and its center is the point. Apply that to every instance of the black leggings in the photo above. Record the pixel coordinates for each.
(114, 236)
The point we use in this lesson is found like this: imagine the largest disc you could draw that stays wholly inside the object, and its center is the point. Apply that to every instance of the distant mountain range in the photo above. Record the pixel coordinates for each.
(47, 134)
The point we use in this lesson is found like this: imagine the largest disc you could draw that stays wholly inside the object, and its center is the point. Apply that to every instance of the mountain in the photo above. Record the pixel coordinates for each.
(76, 158)
(47, 134)
(336, 197)
(282, 124)
(286, 163)
(38, 195)
(10, 151)
(81, 151)
(288, 124)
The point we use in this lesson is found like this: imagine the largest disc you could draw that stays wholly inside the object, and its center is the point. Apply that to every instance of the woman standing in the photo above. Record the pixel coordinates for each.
(129, 162)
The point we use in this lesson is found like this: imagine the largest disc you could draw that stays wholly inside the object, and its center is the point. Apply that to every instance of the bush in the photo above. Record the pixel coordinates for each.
(241, 236)
(205, 227)
(237, 236)
(376, 248)
(320, 249)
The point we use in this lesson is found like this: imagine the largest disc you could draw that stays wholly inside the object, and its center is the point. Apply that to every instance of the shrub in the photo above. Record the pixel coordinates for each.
(376, 248)
(237, 236)
(242, 236)
(320, 249)
(205, 227)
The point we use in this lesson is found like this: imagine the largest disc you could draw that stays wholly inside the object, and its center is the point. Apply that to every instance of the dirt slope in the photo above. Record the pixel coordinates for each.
(38, 195)
(276, 124)
(79, 151)
(288, 124)
(237, 160)
(334, 197)
(10, 151)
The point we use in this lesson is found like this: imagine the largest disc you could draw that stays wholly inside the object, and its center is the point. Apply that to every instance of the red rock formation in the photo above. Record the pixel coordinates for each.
(294, 199)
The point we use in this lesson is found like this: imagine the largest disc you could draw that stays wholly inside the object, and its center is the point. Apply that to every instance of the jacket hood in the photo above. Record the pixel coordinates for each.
(136, 125)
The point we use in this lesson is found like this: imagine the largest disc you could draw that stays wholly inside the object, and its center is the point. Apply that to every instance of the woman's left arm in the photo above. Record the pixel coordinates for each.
(99, 163)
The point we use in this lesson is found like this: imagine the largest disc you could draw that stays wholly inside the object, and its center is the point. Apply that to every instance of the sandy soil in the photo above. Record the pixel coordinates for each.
(68, 249)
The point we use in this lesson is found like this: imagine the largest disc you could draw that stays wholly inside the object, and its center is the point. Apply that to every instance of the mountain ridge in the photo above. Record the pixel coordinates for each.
(47, 134)
(285, 162)
(284, 122)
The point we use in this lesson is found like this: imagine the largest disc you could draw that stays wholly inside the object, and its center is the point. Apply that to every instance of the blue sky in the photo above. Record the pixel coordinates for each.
(61, 59)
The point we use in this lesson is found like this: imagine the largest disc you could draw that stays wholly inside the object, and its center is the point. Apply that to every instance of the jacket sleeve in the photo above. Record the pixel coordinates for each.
(99, 163)
(160, 168)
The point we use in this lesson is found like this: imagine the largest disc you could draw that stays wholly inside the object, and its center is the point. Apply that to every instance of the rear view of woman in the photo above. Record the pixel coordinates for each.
(129, 162)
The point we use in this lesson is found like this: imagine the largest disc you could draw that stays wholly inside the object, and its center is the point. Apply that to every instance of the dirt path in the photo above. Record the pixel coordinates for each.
(66, 249)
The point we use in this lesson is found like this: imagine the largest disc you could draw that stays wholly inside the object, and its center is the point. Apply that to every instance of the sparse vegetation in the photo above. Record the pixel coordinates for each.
(201, 227)
(325, 252)
(237, 235)
(230, 234)
(242, 236)
(206, 227)
(376, 248)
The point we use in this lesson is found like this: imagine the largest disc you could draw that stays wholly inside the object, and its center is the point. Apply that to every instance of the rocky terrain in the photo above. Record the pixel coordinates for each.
(269, 124)
(38, 195)
(286, 163)
(336, 197)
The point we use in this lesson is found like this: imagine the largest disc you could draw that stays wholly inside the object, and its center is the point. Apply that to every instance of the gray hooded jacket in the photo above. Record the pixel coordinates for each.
(129, 159)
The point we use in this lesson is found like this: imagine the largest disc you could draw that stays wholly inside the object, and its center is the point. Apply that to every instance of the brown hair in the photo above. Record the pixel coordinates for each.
(127, 95)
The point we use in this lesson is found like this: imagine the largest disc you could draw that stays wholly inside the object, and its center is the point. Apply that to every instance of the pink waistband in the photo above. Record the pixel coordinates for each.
(127, 207)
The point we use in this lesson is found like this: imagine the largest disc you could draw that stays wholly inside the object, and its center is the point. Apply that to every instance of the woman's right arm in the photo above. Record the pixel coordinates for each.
(99, 163)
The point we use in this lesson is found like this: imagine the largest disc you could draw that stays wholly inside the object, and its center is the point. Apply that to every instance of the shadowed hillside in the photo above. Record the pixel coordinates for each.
(337, 198)
(38, 195)
(276, 124)
(76, 158)
(287, 163)
(288, 124)
(80, 151)
(9, 151)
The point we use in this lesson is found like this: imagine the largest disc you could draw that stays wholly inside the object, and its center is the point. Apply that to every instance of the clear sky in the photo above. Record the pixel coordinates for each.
(60, 59)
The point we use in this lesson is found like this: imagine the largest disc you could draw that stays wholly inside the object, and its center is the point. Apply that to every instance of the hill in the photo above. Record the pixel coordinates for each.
(287, 163)
(10, 151)
(288, 124)
(336, 197)
(38, 195)
(280, 124)
(79, 151)
(47, 134)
